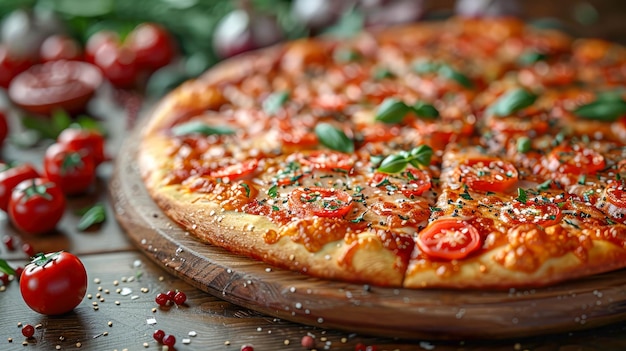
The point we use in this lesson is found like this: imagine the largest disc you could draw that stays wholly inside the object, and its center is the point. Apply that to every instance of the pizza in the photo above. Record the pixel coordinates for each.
(467, 153)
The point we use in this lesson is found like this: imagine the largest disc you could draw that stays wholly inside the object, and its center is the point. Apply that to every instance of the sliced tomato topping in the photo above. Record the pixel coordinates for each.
(299, 138)
(449, 239)
(322, 202)
(533, 211)
(327, 160)
(615, 196)
(378, 133)
(411, 182)
(236, 171)
(567, 159)
(485, 174)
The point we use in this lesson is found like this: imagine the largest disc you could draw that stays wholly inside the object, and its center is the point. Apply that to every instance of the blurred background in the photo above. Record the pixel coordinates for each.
(153, 45)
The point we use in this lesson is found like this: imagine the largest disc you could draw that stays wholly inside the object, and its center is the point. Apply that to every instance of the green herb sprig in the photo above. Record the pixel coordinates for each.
(396, 163)
(512, 101)
(333, 138)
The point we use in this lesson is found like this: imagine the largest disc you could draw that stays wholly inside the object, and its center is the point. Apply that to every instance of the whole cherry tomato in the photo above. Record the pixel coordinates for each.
(152, 45)
(12, 176)
(118, 64)
(36, 205)
(54, 283)
(73, 169)
(97, 40)
(78, 138)
(60, 47)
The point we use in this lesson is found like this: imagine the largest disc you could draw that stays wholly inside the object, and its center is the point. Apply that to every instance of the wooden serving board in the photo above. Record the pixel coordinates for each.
(403, 313)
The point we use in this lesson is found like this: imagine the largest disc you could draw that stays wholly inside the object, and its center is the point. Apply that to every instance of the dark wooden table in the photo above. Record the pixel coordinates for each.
(119, 312)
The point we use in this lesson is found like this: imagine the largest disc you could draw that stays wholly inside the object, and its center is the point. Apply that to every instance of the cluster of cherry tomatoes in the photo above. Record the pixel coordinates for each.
(147, 48)
(36, 202)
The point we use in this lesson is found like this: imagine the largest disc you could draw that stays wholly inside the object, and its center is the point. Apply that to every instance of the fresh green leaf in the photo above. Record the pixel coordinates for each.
(90, 123)
(197, 127)
(393, 164)
(6, 268)
(522, 196)
(606, 110)
(420, 156)
(512, 101)
(343, 55)
(333, 138)
(425, 66)
(582, 179)
(524, 145)
(272, 192)
(391, 111)
(545, 185)
(246, 187)
(382, 73)
(531, 57)
(425, 111)
(450, 73)
(349, 25)
(94, 215)
(273, 103)
(60, 120)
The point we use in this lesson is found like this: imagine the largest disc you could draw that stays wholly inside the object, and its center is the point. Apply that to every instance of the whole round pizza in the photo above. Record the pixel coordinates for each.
(469, 153)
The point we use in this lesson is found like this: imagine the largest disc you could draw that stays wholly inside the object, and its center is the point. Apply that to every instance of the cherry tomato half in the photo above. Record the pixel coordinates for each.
(320, 202)
(10, 177)
(449, 239)
(72, 169)
(411, 182)
(78, 138)
(54, 284)
(568, 159)
(118, 64)
(537, 212)
(484, 174)
(36, 205)
(236, 171)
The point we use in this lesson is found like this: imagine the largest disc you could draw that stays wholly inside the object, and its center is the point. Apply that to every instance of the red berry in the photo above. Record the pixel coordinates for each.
(18, 271)
(28, 249)
(161, 299)
(28, 330)
(359, 347)
(247, 348)
(169, 340)
(158, 335)
(308, 342)
(170, 294)
(8, 242)
(180, 298)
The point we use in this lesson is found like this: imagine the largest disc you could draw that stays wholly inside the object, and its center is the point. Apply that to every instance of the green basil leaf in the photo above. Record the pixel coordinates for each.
(197, 127)
(512, 101)
(393, 164)
(333, 138)
(521, 195)
(382, 73)
(344, 55)
(524, 145)
(391, 111)
(531, 57)
(425, 66)
(6, 268)
(349, 25)
(606, 110)
(275, 101)
(420, 156)
(94, 215)
(450, 73)
(425, 111)
(272, 192)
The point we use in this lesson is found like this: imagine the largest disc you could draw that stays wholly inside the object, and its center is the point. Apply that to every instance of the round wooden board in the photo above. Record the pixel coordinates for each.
(403, 313)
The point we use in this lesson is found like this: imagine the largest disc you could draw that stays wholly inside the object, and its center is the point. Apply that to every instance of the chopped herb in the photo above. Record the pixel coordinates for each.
(572, 223)
(360, 218)
(466, 196)
(582, 179)
(435, 209)
(346, 55)
(524, 145)
(426, 111)
(521, 195)
(94, 215)
(274, 102)
(272, 192)
(512, 101)
(333, 138)
(489, 193)
(275, 208)
(197, 127)
(609, 221)
(531, 57)
(450, 73)
(246, 187)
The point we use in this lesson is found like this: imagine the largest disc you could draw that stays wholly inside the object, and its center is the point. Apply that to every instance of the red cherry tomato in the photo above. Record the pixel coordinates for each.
(236, 171)
(534, 211)
(36, 205)
(11, 67)
(60, 47)
(4, 127)
(320, 202)
(118, 64)
(67, 85)
(327, 160)
(568, 159)
(411, 182)
(97, 40)
(12, 176)
(54, 284)
(72, 169)
(78, 138)
(448, 239)
(484, 174)
(152, 45)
